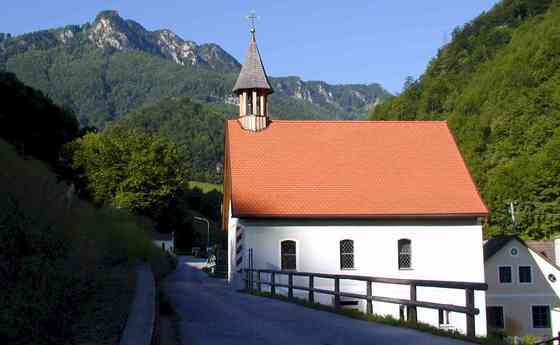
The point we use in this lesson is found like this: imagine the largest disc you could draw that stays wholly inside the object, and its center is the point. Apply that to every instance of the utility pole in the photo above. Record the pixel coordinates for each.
(512, 213)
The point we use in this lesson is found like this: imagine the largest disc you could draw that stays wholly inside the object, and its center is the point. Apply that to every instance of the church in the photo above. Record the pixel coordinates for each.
(390, 199)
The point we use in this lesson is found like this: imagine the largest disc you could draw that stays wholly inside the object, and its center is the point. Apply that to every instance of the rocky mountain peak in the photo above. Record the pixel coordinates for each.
(109, 30)
(108, 15)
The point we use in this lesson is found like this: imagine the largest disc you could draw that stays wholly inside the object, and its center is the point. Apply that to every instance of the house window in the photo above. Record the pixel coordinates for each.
(405, 254)
(346, 254)
(541, 316)
(495, 317)
(443, 317)
(505, 274)
(525, 274)
(288, 254)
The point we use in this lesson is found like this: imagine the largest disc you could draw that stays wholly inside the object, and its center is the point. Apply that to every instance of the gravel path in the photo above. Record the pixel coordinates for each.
(213, 314)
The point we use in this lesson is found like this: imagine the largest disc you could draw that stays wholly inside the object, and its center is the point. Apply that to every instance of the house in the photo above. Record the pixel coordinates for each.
(523, 287)
(378, 198)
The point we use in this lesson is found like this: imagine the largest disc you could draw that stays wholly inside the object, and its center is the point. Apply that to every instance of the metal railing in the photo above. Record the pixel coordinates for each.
(412, 303)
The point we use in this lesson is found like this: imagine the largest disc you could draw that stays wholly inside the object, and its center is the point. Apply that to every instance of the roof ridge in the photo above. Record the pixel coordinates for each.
(356, 121)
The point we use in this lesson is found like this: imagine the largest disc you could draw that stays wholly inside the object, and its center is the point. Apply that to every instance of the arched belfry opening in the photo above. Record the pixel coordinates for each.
(252, 87)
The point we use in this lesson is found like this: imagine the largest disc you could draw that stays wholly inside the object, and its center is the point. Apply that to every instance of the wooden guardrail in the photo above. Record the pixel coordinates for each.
(550, 341)
(412, 303)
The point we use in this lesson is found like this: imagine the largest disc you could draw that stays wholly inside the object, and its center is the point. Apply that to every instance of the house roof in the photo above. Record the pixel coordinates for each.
(543, 248)
(252, 75)
(348, 169)
(494, 244)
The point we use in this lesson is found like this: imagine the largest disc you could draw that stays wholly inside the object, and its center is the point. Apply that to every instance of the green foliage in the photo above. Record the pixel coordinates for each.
(197, 129)
(32, 122)
(54, 249)
(206, 187)
(498, 85)
(129, 169)
(529, 340)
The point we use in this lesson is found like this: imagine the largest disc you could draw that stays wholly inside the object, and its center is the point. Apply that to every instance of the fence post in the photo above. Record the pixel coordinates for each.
(336, 293)
(290, 285)
(470, 317)
(272, 284)
(311, 287)
(369, 301)
(259, 281)
(412, 317)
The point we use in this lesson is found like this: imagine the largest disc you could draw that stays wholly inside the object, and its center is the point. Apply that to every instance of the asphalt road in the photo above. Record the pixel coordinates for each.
(213, 314)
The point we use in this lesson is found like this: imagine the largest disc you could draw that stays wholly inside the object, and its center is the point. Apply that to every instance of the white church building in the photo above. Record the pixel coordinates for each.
(390, 199)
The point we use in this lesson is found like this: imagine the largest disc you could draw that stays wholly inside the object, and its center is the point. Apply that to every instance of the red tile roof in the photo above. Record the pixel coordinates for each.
(348, 169)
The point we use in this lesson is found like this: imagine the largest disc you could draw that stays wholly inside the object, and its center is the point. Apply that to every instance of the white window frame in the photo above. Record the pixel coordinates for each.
(532, 275)
(280, 252)
(353, 254)
(512, 276)
(503, 313)
(532, 325)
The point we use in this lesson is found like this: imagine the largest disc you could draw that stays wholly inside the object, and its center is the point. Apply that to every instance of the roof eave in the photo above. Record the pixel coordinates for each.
(360, 216)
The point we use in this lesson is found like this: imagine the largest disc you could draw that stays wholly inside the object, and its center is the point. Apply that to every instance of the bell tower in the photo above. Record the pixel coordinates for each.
(252, 88)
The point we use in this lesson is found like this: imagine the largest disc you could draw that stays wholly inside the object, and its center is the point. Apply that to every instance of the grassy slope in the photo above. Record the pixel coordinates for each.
(64, 261)
(206, 187)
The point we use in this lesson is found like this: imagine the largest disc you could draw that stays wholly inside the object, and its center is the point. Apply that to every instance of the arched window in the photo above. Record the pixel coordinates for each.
(288, 254)
(405, 254)
(346, 254)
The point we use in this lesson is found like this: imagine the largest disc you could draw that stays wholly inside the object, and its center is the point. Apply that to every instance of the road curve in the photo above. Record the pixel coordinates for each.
(213, 314)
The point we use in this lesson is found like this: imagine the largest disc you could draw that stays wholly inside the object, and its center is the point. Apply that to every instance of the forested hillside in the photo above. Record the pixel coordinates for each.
(32, 122)
(107, 68)
(196, 128)
(498, 84)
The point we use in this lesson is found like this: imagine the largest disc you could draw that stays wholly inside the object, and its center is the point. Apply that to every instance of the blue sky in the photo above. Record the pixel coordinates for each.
(352, 41)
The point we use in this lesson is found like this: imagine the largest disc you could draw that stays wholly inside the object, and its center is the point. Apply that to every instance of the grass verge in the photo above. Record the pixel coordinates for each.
(384, 319)
(102, 317)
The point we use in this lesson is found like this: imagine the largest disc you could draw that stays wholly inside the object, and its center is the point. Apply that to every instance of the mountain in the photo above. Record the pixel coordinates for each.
(113, 66)
(498, 84)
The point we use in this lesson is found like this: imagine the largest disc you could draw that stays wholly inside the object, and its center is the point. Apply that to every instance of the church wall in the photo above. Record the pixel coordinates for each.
(443, 250)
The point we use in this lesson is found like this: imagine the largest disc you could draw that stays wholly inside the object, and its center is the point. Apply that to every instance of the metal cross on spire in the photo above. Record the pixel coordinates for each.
(252, 17)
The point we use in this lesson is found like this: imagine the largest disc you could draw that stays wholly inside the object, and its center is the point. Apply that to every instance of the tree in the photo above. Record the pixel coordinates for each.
(128, 168)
